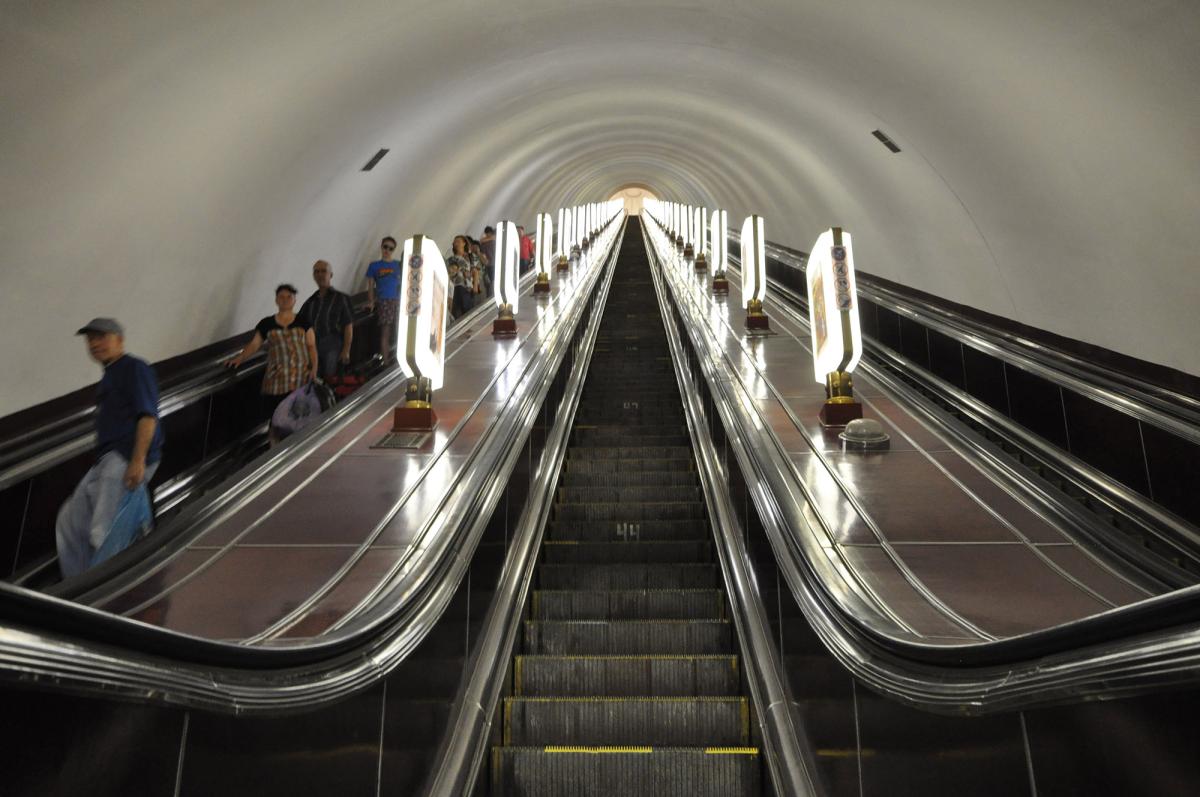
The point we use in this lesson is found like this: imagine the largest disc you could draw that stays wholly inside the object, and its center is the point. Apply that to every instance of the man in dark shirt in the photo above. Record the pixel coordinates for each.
(328, 310)
(128, 446)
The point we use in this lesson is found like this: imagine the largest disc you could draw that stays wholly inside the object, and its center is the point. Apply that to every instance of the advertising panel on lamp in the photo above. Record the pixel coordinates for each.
(542, 249)
(504, 272)
(833, 305)
(424, 311)
(754, 263)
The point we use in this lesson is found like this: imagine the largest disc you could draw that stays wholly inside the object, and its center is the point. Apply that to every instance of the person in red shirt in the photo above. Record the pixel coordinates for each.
(527, 245)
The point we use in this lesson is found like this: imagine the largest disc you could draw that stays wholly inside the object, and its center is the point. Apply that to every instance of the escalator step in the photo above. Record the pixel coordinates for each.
(620, 552)
(638, 604)
(667, 721)
(629, 637)
(616, 531)
(630, 452)
(609, 437)
(631, 494)
(630, 465)
(640, 772)
(664, 478)
(666, 510)
(690, 575)
(627, 676)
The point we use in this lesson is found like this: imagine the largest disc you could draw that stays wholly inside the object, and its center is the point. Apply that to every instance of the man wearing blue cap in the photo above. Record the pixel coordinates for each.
(128, 446)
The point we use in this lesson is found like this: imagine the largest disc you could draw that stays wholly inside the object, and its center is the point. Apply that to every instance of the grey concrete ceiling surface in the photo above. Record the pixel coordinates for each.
(169, 162)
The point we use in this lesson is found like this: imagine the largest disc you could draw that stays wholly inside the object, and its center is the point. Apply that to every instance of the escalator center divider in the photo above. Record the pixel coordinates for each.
(629, 681)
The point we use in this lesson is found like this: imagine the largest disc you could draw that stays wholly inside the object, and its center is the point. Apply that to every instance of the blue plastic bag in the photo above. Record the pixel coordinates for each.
(133, 517)
(300, 408)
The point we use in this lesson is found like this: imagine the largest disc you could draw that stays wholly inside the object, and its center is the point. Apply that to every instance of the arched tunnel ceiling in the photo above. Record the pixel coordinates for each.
(168, 163)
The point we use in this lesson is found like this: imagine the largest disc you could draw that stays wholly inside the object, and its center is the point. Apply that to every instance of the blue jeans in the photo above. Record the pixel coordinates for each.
(87, 516)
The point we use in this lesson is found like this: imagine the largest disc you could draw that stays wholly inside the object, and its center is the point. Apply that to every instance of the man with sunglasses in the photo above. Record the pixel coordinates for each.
(383, 295)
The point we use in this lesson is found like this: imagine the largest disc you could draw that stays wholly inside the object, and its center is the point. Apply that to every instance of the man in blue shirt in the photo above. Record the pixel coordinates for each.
(128, 446)
(383, 294)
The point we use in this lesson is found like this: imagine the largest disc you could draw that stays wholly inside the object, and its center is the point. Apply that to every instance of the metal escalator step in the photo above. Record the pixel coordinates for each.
(627, 676)
(676, 477)
(628, 772)
(617, 530)
(629, 452)
(621, 552)
(630, 494)
(628, 637)
(634, 604)
(586, 438)
(667, 721)
(688, 575)
(631, 465)
(665, 510)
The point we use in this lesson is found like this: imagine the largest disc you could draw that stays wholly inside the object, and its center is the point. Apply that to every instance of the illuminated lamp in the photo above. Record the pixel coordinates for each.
(701, 239)
(542, 253)
(504, 279)
(754, 273)
(564, 236)
(421, 332)
(833, 318)
(689, 233)
(720, 250)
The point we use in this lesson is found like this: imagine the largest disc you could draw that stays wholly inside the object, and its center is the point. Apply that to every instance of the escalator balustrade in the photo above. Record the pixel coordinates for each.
(629, 679)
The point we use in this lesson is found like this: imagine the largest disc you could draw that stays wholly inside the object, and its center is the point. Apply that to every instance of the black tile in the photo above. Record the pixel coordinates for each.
(946, 359)
(868, 317)
(1106, 439)
(1144, 745)
(1036, 405)
(333, 750)
(12, 509)
(910, 752)
(983, 378)
(183, 447)
(49, 491)
(889, 329)
(55, 744)
(1174, 464)
(913, 343)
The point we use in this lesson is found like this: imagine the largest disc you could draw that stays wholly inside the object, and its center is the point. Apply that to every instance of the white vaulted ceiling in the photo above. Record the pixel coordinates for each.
(169, 162)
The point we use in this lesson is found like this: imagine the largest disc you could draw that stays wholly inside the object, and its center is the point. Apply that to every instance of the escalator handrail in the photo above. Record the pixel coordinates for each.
(1169, 410)
(74, 647)
(464, 744)
(792, 766)
(59, 439)
(1148, 645)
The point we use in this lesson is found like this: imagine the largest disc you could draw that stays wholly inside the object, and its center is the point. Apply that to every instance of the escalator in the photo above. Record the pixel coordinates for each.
(628, 678)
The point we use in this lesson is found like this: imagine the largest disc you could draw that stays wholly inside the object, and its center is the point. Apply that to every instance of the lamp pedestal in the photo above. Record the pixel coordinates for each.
(841, 407)
(416, 414)
(542, 286)
(720, 283)
(701, 263)
(563, 264)
(755, 317)
(505, 326)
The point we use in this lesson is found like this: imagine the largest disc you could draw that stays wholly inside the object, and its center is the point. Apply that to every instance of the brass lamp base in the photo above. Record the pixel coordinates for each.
(416, 414)
(542, 285)
(505, 326)
(689, 251)
(840, 408)
(563, 264)
(720, 284)
(701, 263)
(755, 317)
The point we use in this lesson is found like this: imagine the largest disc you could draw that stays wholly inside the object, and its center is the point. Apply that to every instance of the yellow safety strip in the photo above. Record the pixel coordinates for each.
(597, 750)
(731, 751)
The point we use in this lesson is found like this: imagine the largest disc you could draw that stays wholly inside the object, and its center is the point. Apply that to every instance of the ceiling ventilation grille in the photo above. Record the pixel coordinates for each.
(887, 142)
(378, 157)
